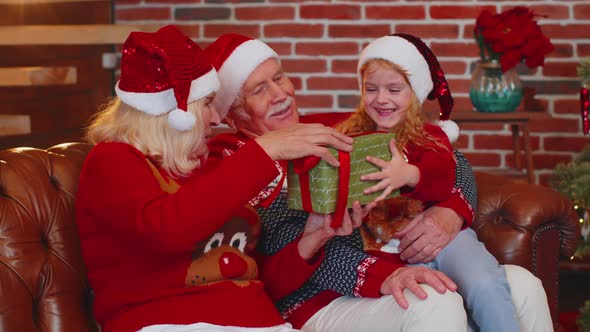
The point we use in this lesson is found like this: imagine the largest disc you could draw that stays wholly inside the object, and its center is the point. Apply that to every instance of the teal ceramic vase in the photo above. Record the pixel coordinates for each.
(494, 91)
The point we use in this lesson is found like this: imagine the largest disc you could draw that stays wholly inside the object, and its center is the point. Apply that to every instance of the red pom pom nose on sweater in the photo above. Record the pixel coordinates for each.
(232, 265)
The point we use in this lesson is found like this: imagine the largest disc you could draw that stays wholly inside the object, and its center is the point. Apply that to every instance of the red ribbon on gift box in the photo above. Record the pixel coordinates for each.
(585, 106)
(303, 165)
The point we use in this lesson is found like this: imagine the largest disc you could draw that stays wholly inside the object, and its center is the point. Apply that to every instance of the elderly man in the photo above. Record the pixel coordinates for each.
(256, 97)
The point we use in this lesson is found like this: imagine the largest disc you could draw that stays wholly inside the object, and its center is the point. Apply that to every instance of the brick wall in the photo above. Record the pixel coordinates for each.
(319, 42)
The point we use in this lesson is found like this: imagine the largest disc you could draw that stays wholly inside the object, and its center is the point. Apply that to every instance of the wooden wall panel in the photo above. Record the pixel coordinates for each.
(72, 12)
(57, 112)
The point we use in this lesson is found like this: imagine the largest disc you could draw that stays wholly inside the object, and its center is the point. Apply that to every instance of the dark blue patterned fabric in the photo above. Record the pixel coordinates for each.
(465, 179)
(338, 271)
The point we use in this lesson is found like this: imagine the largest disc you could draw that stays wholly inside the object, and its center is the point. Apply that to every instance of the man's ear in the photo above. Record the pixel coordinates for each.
(230, 122)
(240, 125)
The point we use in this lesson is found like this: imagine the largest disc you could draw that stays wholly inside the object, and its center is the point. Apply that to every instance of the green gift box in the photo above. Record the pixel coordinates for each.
(321, 183)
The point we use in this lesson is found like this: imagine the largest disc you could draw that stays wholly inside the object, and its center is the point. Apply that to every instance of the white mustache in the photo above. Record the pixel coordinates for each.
(280, 107)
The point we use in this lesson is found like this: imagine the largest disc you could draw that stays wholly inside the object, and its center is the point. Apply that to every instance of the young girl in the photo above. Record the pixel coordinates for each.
(396, 75)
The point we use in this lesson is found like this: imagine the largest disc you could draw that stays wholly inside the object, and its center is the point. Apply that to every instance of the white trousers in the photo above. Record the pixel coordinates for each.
(439, 312)
(205, 327)
(529, 299)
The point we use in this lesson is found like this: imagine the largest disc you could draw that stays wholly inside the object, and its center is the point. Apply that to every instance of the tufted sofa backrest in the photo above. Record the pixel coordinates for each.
(43, 284)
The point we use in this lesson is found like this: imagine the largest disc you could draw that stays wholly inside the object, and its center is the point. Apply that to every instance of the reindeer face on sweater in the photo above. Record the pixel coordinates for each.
(224, 255)
(388, 217)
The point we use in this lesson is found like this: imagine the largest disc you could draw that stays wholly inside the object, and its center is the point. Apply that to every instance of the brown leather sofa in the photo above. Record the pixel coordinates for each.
(43, 284)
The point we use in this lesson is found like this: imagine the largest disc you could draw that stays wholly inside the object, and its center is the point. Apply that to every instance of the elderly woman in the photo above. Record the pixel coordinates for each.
(165, 234)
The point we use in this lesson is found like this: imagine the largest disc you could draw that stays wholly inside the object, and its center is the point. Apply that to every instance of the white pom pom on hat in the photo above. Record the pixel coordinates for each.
(181, 120)
(450, 128)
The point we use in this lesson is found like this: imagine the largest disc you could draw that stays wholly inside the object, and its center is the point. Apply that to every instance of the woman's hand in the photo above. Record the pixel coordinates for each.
(410, 277)
(318, 229)
(394, 174)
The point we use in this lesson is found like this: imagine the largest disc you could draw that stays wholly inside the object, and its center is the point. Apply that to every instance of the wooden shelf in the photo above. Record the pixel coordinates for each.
(519, 125)
(518, 116)
(82, 34)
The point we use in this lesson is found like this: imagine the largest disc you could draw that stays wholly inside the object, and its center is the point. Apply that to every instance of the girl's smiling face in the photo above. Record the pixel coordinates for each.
(386, 96)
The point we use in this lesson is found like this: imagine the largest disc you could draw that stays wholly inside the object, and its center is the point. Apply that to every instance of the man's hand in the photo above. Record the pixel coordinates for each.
(427, 234)
(302, 140)
(410, 277)
(318, 230)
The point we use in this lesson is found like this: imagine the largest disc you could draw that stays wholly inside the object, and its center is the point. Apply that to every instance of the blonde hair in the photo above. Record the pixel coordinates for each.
(410, 130)
(174, 151)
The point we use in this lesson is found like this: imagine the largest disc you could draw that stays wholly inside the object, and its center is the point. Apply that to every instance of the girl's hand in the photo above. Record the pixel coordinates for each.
(394, 174)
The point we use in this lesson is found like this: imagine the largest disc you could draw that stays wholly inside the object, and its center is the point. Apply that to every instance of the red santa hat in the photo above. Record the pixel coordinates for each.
(162, 72)
(424, 72)
(235, 57)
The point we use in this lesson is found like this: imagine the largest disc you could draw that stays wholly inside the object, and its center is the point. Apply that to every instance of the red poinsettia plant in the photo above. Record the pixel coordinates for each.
(511, 37)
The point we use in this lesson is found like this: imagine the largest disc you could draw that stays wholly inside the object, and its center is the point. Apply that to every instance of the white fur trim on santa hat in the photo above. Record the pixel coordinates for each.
(450, 128)
(236, 69)
(181, 120)
(154, 103)
(400, 51)
(203, 86)
(158, 103)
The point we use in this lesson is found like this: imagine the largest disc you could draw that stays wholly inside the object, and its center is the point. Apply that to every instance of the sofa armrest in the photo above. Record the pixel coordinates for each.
(43, 279)
(509, 213)
(528, 225)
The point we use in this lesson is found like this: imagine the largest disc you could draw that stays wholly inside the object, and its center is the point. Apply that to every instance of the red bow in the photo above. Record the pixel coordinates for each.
(303, 165)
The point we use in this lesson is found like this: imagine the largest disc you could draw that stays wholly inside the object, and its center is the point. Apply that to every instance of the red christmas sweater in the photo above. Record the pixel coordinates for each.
(160, 251)
(436, 166)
